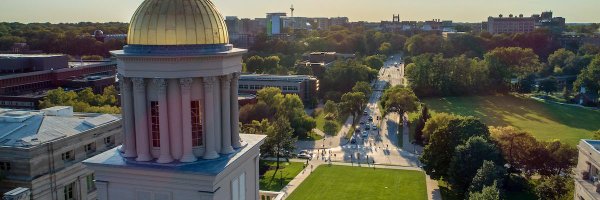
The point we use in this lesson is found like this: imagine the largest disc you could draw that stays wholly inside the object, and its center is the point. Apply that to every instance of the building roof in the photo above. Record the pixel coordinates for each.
(112, 158)
(177, 22)
(9, 56)
(26, 129)
(269, 77)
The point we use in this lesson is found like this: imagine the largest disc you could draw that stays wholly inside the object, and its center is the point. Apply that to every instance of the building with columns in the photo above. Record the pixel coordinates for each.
(179, 89)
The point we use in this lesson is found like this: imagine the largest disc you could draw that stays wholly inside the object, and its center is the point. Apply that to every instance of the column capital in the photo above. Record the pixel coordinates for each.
(236, 75)
(209, 81)
(161, 83)
(139, 84)
(186, 82)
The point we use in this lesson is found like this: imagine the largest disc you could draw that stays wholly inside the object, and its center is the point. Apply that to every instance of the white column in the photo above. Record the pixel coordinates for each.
(209, 109)
(188, 152)
(141, 122)
(163, 120)
(236, 141)
(127, 117)
(175, 123)
(217, 113)
(226, 115)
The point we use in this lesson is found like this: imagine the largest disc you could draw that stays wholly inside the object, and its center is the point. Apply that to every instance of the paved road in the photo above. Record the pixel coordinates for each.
(380, 146)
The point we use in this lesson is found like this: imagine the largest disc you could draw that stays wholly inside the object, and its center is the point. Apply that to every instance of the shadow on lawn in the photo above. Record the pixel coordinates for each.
(495, 110)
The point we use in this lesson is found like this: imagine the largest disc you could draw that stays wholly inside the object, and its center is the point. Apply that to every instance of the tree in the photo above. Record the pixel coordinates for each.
(271, 64)
(548, 85)
(353, 103)
(487, 175)
(468, 158)
(553, 187)
(330, 127)
(487, 193)
(439, 120)
(279, 142)
(562, 158)
(271, 96)
(423, 118)
(438, 153)
(375, 62)
(505, 63)
(255, 64)
(363, 87)
(254, 112)
(589, 77)
(399, 99)
(385, 48)
(520, 149)
(331, 107)
(562, 59)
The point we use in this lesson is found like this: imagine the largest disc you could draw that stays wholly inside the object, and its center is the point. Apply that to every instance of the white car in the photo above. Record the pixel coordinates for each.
(374, 127)
(305, 154)
(365, 134)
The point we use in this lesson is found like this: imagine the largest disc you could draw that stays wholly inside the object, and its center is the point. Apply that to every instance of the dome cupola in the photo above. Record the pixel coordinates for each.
(177, 22)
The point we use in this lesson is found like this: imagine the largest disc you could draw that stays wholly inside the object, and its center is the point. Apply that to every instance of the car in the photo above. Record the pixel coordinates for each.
(357, 129)
(304, 156)
(365, 113)
(362, 122)
(365, 134)
(370, 118)
(353, 141)
(374, 127)
(367, 126)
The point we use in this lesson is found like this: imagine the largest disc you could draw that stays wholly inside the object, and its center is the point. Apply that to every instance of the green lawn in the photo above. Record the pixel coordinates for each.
(287, 172)
(546, 121)
(312, 136)
(344, 182)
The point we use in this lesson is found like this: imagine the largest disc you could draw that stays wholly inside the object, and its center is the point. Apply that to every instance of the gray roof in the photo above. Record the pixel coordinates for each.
(26, 129)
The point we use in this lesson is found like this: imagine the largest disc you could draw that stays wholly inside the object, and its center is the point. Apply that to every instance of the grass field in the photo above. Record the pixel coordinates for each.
(320, 118)
(343, 182)
(546, 121)
(287, 172)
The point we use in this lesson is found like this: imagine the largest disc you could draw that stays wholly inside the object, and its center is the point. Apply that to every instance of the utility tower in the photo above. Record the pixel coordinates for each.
(292, 9)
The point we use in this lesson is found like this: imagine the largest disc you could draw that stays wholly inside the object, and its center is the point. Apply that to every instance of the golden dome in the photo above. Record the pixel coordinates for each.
(177, 22)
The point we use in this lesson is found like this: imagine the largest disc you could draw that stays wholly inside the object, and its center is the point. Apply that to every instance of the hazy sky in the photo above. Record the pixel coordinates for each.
(357, 10)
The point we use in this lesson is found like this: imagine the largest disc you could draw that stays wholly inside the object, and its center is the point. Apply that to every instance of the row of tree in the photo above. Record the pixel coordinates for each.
(84, 100)
(72, 39)
(478, 161)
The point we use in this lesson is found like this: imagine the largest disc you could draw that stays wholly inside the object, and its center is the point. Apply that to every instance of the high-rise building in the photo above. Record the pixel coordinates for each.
(179, 90)
(274, 23)
(510, 24)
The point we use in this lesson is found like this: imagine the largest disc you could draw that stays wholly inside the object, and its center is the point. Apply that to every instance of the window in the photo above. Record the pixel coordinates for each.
(4, 166)
(70, 191)
(91, 186)
(238, 187)
(68, 156)
(108, 141)
(155, 124)
(196, 123)
(90, 148)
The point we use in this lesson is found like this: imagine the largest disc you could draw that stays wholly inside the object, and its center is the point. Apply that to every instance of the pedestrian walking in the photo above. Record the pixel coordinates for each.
(311, 168)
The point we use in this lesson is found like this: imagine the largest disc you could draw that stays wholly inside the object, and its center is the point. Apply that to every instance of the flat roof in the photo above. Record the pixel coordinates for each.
(30, 128)
(269, 77)
(112, 158)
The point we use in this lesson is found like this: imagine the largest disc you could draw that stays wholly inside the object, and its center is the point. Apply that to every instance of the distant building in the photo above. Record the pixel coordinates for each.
(510, 24)
(42, 150)
(26, 78)
(303, 85)
(275, 23)
(339, 21)
(521, 24)
(587, 172)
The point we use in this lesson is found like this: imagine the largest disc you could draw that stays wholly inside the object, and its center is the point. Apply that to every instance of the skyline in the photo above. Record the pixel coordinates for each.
(68, 11)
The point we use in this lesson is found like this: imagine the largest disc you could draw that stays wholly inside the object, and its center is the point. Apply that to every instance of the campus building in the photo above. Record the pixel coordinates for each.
(304, 86)
(25, 79)
(510, 24)
(42, 150)
(587, 173)
(179, 100)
